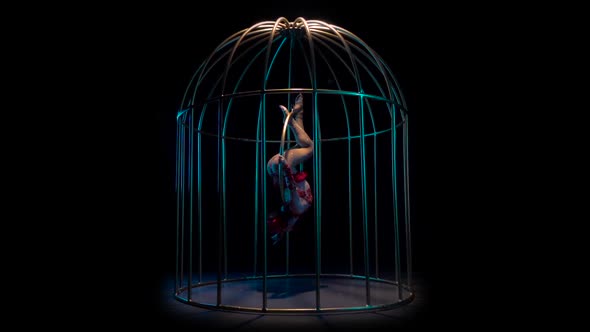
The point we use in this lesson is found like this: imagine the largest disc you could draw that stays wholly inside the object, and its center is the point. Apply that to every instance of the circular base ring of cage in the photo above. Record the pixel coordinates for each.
(297, 294)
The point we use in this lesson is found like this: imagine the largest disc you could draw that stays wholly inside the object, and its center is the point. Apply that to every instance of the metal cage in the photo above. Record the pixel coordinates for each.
(352, 250)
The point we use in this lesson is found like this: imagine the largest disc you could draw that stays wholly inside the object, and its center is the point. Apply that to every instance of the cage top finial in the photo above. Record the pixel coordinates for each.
(296, 27)
(297, 24)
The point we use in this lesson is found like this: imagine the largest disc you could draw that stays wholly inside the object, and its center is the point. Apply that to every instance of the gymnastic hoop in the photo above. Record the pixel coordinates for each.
(282, 154)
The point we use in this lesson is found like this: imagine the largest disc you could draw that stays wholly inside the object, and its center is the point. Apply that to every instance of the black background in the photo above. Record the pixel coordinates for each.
(446, 61)
(416, 49)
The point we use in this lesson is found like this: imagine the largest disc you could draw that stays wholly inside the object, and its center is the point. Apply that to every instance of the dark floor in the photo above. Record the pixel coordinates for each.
(175, 313)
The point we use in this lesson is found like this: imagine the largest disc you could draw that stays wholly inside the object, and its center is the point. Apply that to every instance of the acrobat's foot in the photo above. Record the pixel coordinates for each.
(298, 106)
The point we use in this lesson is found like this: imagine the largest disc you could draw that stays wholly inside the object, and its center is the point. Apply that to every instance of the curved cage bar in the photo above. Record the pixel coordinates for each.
(352, 249)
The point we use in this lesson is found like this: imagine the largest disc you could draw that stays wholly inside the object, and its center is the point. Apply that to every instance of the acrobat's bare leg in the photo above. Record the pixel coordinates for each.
(305, 151)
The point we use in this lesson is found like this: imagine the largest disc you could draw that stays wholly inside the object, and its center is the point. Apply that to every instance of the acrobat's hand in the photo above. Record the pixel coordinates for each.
(287, 195)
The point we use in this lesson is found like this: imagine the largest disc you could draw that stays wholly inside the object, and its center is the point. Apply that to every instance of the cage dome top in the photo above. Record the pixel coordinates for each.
(300, 56)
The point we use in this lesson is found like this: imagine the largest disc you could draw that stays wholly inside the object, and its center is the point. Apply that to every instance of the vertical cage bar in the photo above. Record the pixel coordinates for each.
(353, 61)
(376, 231)
(349, 193)
(264, 214)
(220, 157)
(316, 161)
(178, 128)
(263, 174)
(256, 184)
(182, 205)
(256, 170)
(289, 83)
(407, 199)
(375, 215)
(220, 208)
(395, 200)
(200, 193)
(317, 197)
(223, 196)
(364, 199)
(256, 193)
(190, 235)
(349, 159)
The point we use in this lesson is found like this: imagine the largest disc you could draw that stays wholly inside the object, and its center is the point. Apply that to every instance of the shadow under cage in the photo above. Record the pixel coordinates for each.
(351, 249)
